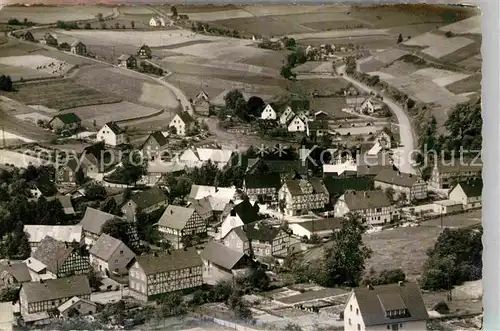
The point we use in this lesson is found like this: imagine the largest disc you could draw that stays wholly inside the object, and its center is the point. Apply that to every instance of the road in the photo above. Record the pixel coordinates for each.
(403, 157)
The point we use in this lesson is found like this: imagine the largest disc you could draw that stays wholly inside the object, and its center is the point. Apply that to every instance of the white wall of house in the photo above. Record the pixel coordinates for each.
(286, 115)
(98, 264)
(109, 137)
(229, 223)
(268, 113)
(297, 125)
(458, 194)
(179, 125)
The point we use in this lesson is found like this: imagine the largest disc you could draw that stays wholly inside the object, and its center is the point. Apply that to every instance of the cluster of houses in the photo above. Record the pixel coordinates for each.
(50, 39)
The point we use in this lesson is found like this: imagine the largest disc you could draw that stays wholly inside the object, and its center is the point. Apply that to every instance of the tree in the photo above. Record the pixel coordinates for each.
(222, 291)
(117, 228)
(100, 17)
(132, 169)
(178, 186)
(95, 191)
(239, 307)
(344, 261)
(87, 26)
(80, 177)
(73, 312)
(400, 38)
(94, 277)
(384, 277)
(290, 43)
(110, 207)
(255, 105)
(258, 279)
(132, 24)
(5, 83)
(286, 72)
(389, 193)
(173, 10)
(172, 304)
(117, 25)
(234, 99)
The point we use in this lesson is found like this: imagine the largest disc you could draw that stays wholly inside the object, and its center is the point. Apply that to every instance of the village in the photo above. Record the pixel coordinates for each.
(152, 199)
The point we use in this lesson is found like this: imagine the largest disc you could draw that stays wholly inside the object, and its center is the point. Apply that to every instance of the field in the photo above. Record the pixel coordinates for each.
(438, 46)
(111, 112)
(137, 10)
(45, 15)
(380, 59)
(471, 25)
(33, 66)
(469, 84)
(218, 15)
(59, 94)
(324, 86)
(331, 106)
(354, 33)
(266, 26)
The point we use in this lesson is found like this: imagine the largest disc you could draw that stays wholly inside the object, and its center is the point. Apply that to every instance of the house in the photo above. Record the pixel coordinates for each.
(468, 193)
(268, 113)
(64, 233)
(369, 106)
(111, 257)
(157, 21)
(59, 258)
(144, 52)
(323, 227)
(155, 143)
(97, 159)
(411, 186)
(204, 208)
(348, 168)
(353, 104)
(68, 121)
(336, 187)
(178, 222)
(127, 61)
(447, 206)
(298, 124)
(240, 214)
(49, 40)
(66, 204)
(196, 157)
(386, 307)
(43, 188)
(147, 201)
(317, 128)
(373, 206)
(28, 36)
(351, 90)
(222, 263)
(202, 191)
(201, 104)
(263, 187)
(183, 123)
(301, 196)
(79, 48)
(112, 135)
(286, 116)
(445, 174)
(321, 116)
(66, 172)
(153, 275)
(77, 306)
(14, 274)
(48, 294)
(288, 169)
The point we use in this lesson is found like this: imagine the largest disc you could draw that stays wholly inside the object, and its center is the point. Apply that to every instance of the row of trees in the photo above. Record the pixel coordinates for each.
(15, 21)
(5, 83)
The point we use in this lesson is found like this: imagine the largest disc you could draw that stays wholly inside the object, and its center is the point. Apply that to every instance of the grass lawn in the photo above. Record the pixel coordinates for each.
(324, 86)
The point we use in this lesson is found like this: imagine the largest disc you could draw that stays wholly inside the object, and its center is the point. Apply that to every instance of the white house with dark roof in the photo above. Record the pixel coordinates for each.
(112, 134)
(182, 122)
(286, 115)
(178, 222)
(240, 214)
(157, 21)
(373, 206)
(82, 306)
(386, 307)
(196, 157)
(301, 196)
(111, 257)
(445, 174)
(468, 193)
(410, 185)
(79, 48)
(201, 103)
(322, 227)
(222, 263)
(297, 124)
(268, 113)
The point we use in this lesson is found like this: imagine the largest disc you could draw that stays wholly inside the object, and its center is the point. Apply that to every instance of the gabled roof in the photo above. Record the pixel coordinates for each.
(106, 246)
(52, 289)
(246, 212)
(295, 186)
(19, 271)
(46, 187)
(67, 233)
(73, 301)
(202, 206)
(472, 188)
(145, 47)
(176, 217)
(280, 166)
(125, 57)
(76, 43)
(360, 200)
(114, 127)
(202, 95)
(338, 186)
(158, 137)
(67, 118)
(373, 303)
(66, 204)
(392, 176)
(201, 191)
(185, 117)
(268, 180)
(261, 231)
(322, 224)
(221, 255)
(53, 253)
(177, 259)
(94, 219)
(149, 197)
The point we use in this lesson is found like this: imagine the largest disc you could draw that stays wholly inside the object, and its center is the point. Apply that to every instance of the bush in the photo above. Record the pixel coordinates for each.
(441, 307)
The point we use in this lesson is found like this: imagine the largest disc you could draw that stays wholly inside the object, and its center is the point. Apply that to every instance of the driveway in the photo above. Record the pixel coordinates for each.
(404, 161)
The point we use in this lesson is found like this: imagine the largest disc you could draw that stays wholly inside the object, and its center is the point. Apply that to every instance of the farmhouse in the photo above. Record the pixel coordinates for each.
(409, 186)
(157, 21)
(112, 135)
(286, 116)
(268, 113)
(348, 168)
(92, 224)
(43, 187)
(147, 201)
(64, 233)
(222, 263)
(386, 307)
(178, 222)
(183, 123)
(351, 90)
(369, 106)
(353, 104)
(338, 186)
(28, 36)
(301, 196)
(153, 275)
(68, 121)
(127, 61)
(144, 52)
(48, 294)
(49, 40)
(111, 257)
(321, 116)
(201, 104)
(154, 145)
(317, 128)
(240, 214)
(82, 306)
(79, 48)
(323, 227)
(204, 208)
(298, 124)
(59, 258)
(373, 206)
(468, 193)
(444, 176)
(14, 274)
(263, 188)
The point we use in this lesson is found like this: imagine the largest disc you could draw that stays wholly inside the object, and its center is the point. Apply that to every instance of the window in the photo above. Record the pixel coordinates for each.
(359, 327)
(350, 321)
(351, 307)
(388, 327)
(357, 311)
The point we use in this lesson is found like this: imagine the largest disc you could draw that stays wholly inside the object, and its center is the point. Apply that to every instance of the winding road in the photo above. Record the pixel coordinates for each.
(403, 155)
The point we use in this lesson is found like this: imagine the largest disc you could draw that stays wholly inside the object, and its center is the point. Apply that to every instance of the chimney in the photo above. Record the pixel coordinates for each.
(400, 284)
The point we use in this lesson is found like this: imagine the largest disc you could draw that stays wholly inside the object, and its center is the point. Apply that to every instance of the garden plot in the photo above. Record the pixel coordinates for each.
(49, 14)
(219, 15)
(438, 45)
(219, 99)
(20, 73)
(469, 84)
(30, 64)
(441, 77)
(470, 25)
(111, 112)
(331, 106)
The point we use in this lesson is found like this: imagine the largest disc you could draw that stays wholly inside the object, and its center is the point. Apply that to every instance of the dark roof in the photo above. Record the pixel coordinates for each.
(202, 207)
(47, 187)
(68, 118)
(76, 43)
(246, 212)
(367, 170)
(322, 224)
(185, 117)
(177, 259)
(114, 127)
(149, 197)
(392, 176)
(106, 246)
(146, 48)
(263, 180)
(125, 57)
(318, 125)
(94, 219)
(472, 187)
(338, 186)
(261, 231)
(221, 255)
(298, 186)
(158, 137)
(19, 271)
(279, 166)
(53, 253)
(359, 200)
(373, 303)
(52, 289)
